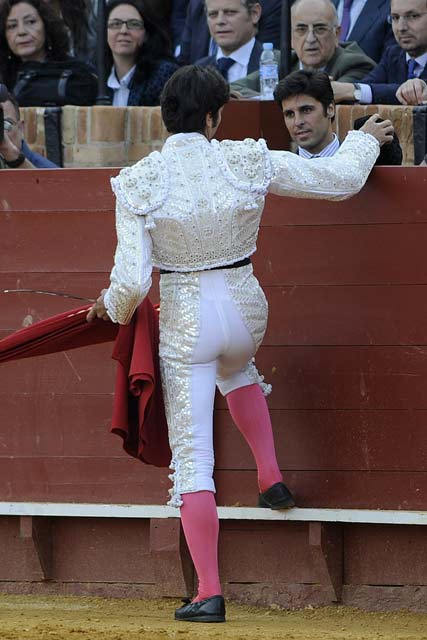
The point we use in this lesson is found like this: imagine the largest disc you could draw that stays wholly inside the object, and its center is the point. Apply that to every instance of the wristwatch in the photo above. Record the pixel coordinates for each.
(357, 94)
(14, 164)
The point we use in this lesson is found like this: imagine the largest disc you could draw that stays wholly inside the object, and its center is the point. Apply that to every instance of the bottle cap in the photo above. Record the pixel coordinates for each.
(267, 46)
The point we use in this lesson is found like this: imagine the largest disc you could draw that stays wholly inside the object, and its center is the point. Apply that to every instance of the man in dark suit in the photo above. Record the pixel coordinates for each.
(196, 41)
(401, 74)
(315, 40)
(233, 25)
(366, 22)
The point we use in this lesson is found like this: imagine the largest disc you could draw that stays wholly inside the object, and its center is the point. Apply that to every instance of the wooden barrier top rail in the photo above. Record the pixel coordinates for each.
(86, 510)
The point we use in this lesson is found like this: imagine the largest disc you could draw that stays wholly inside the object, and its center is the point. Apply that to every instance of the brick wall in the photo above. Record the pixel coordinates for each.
(115, 137)
(400, 116)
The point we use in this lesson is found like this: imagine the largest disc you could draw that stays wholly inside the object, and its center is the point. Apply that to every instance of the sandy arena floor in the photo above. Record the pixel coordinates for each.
(56, 618)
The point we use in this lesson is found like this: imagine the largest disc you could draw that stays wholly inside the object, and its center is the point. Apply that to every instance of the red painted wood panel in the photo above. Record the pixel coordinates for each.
(347, 315)
(299, 315)
(91, 479)
(77, 190)
(82, 479)
(333, 489)
(312, 377)
(342, 254)
(345, 348)
(381, 555)
(332, 440)
(384, 200)
(95, 550)
(252, 552)
(80, 190)
(303, 377)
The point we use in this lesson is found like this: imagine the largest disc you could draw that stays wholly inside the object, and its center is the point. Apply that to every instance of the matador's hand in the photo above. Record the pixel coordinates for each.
(98, 309)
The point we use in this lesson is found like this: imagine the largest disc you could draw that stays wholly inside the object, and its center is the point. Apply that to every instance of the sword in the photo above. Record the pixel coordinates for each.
(49, 293)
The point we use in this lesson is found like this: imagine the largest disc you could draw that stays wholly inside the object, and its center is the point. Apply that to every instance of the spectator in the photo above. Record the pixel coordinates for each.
(34, 42)
(196, 42)
(233, 26)
(307, 102)
(138, 54)
(367, 23)
(75, 14)
(14, 145)
(177, 23)
(401, 73)
(315, 40)
(160, 11)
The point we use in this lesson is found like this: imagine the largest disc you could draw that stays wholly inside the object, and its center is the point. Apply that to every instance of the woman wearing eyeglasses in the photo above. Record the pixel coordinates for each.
(138, 55)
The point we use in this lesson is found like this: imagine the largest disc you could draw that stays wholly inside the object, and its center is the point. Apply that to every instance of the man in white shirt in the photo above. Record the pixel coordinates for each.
(307, 102)
(233, 25)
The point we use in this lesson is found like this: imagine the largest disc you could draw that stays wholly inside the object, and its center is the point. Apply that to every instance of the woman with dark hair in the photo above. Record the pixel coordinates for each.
(75, 14)
(34, 43)
(194, 211)
(29, 31)
(138, 54)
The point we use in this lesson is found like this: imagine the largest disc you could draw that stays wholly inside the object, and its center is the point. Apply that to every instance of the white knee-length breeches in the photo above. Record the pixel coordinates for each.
(211, 325)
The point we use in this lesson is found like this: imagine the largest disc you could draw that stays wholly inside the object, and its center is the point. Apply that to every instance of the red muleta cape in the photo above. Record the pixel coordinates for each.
(138, 409)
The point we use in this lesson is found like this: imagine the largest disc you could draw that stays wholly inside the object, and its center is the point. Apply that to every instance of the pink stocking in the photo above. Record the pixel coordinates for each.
(200, 523)
(249, 411)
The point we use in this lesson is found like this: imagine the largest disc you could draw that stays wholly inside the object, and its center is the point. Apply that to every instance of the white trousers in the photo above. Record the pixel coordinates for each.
(211, 324)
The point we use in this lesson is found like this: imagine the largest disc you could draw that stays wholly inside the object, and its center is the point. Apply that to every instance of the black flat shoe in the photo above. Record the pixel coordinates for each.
(208, 610)
(277, 496)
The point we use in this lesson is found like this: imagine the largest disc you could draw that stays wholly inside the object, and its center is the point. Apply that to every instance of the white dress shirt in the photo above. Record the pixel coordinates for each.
(241, 56)
(327, 152)
(120, 87)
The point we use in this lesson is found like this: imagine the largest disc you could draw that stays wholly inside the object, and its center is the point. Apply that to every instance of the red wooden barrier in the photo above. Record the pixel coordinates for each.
(345, 351)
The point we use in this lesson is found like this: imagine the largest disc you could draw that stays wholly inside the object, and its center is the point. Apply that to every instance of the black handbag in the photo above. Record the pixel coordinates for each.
(55, 84)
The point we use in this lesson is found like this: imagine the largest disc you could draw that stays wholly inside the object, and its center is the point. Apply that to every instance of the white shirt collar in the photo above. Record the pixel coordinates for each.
(420, 60)
(327, 152)
(241, 55)
(114, 83)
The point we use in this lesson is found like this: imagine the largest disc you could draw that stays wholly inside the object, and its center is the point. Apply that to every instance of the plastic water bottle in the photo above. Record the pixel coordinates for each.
(268, 71)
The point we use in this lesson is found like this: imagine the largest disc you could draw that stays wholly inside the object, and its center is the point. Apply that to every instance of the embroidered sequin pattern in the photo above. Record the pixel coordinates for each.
(335, 178)
(200, 212)
(250, 299)
(131, 274)
(180, 295)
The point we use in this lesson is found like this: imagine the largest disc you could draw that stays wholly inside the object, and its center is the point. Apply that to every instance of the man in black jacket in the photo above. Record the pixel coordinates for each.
(196, 42)
(233, 25)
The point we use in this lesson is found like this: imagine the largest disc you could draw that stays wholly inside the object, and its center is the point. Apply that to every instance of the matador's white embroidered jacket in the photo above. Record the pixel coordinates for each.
(198, 204)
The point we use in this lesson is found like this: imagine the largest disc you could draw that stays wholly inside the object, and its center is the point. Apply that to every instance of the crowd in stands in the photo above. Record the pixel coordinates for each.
(374, 51)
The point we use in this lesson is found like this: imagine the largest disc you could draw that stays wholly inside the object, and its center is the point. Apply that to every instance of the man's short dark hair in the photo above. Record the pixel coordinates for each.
(249, 4)
(315, 84)
(189, 95)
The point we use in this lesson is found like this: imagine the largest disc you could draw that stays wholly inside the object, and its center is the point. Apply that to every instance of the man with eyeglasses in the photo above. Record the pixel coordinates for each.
(14, 151)
(315, 40)
(401, 75)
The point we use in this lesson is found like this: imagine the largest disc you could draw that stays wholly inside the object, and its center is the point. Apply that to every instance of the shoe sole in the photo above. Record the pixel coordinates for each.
(288, 504)
(202, 619)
